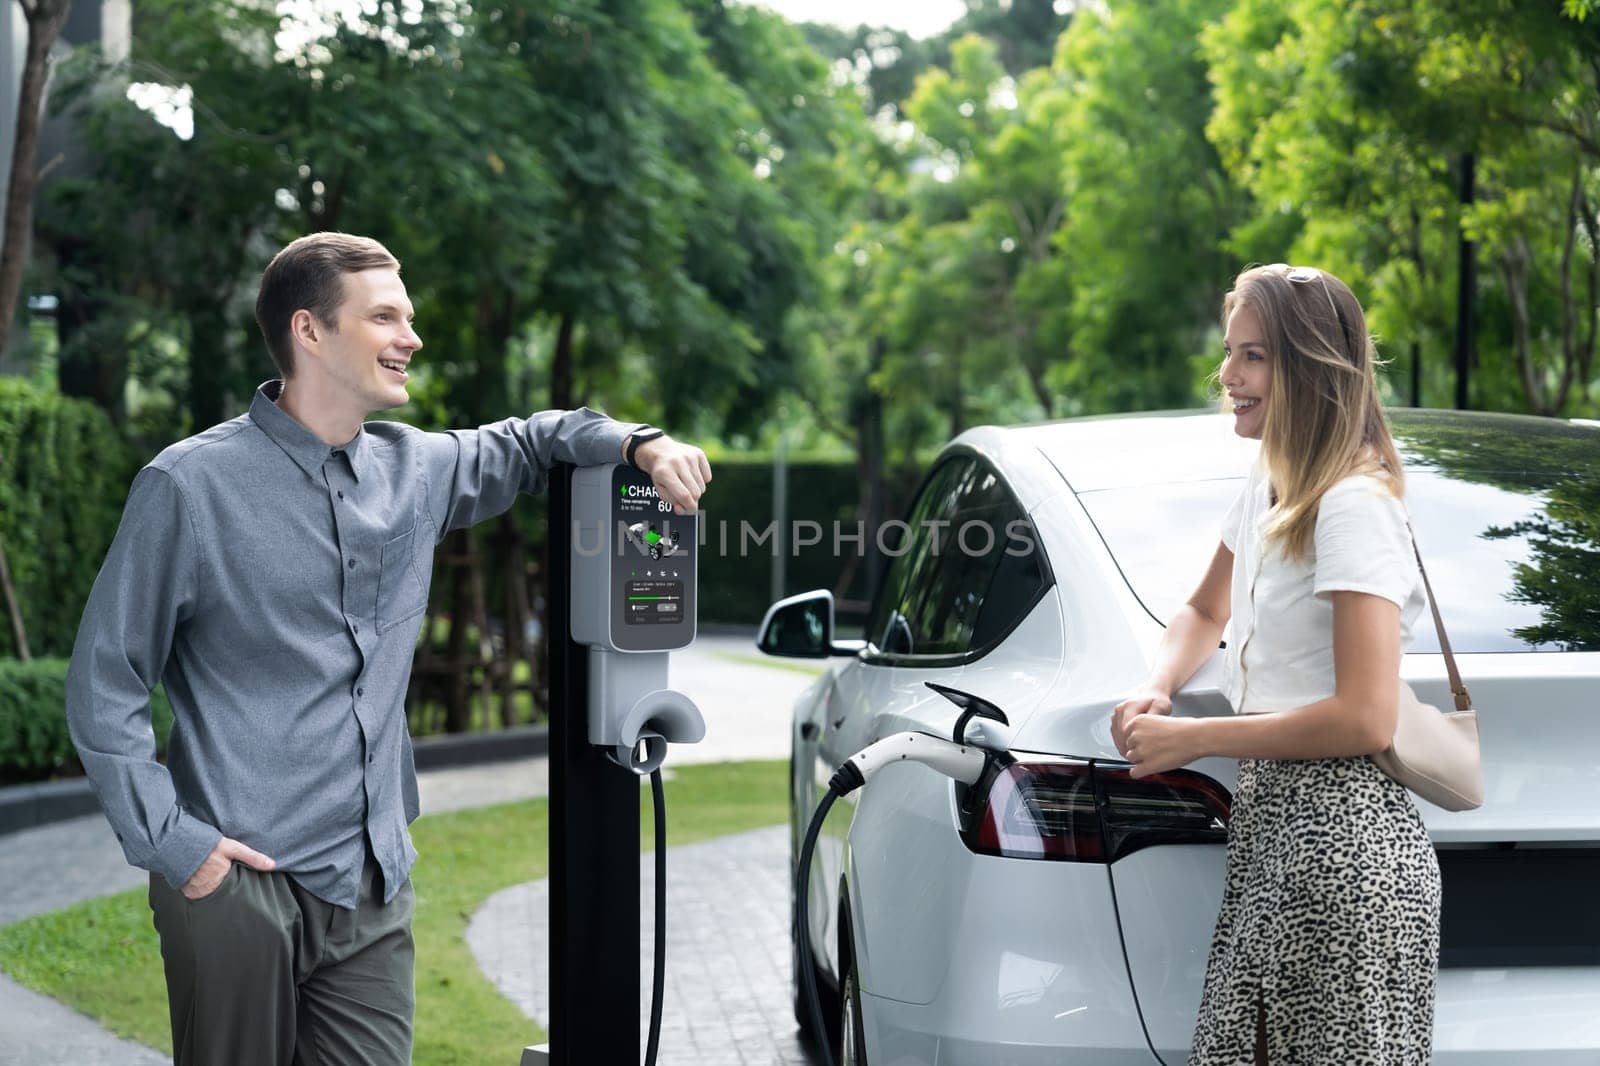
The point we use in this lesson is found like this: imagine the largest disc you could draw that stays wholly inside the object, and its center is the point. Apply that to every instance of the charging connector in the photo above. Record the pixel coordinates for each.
(961, 762)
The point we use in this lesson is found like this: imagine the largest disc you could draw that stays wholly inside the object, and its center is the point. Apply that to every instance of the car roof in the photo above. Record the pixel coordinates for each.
(1126, 451)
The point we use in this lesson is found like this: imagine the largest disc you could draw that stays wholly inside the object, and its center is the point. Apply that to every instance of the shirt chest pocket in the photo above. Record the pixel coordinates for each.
(401, 594)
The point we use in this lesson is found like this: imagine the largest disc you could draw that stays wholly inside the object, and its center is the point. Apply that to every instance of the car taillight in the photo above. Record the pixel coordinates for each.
(1177, 807)
(1079, 812)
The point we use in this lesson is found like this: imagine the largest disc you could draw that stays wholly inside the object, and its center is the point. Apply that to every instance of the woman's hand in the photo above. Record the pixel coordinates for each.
(1145, 701)
(1157, 743)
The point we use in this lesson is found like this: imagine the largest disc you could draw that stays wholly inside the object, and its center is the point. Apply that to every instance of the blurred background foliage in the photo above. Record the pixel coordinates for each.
(778, 238)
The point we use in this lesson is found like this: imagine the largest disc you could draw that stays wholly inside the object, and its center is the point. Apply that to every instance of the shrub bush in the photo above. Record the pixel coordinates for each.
(64, 474)
(34, 744)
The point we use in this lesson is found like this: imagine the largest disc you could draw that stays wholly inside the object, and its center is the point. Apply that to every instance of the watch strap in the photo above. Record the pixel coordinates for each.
(638, 437)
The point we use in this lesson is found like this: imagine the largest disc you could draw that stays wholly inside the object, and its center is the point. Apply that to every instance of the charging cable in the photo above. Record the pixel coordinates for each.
(963, 762)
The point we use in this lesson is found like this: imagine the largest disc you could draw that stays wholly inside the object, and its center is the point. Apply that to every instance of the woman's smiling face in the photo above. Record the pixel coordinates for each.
(1246, 372)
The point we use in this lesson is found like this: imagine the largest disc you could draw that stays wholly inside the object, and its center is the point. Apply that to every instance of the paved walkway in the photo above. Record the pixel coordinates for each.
(726, 999)
(55, 866)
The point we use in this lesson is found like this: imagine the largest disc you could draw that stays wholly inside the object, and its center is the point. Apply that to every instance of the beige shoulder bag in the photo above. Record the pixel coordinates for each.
(1435, 753)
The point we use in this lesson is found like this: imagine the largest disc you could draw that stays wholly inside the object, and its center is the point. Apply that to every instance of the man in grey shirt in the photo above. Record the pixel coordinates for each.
(273, 572)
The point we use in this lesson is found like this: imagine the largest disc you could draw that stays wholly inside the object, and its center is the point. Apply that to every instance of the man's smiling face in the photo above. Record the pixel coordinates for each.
(367, 353)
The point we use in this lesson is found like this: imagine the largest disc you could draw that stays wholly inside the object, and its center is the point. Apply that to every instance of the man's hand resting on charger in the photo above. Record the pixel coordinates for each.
(680, 471)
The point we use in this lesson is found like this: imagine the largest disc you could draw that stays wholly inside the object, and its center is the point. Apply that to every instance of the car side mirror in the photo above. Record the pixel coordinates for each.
(801, 627)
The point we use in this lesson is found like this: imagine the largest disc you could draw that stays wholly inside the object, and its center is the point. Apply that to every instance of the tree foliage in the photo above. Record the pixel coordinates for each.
(1349, 125)
(693, 212)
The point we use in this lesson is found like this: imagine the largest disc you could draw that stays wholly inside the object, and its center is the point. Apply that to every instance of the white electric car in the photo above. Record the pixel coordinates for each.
(1061, 912)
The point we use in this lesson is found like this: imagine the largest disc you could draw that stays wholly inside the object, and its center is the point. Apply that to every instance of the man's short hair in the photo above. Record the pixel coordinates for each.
(308, 274)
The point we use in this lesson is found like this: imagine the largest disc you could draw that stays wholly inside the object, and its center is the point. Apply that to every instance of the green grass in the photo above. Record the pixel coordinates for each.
(102, 957)
(757, 659)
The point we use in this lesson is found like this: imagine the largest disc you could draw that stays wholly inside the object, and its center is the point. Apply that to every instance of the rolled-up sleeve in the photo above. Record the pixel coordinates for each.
(145, 591)
(474, 474)
(1363, 543)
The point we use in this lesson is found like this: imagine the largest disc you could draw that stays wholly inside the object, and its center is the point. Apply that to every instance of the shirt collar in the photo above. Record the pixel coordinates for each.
(308, 450)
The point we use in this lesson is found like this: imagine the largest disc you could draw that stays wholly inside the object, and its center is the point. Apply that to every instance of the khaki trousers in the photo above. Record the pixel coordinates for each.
(263, 973)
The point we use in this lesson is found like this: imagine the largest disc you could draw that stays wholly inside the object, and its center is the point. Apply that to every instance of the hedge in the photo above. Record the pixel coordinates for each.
(34, 744)
(736, 578)
(64, 474)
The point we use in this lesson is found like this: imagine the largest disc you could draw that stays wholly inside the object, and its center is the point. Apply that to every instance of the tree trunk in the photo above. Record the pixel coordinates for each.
(483, 662)
(1584, 348)
(14, 609)
(93, 371)
(873, 493)
(561, 365)
(1514, 268)
(958, 413)
(458, 714)
(45, 19)
(1585, 353)
(493, 330)
(208, 368)
(1041, 391)
(1420, 260)
(508, 543)
(1466, 284)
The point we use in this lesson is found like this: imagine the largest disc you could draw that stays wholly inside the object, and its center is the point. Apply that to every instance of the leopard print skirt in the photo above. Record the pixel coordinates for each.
(1330, 920)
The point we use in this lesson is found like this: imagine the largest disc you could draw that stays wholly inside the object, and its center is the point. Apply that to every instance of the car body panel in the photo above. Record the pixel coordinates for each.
(1101, 453)
(1167, 901)
(1541, 1016)
(1014, 991)
(912, 1035)
(1106, 634)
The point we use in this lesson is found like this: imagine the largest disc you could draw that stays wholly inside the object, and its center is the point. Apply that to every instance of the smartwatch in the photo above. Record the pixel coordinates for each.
(639, 436)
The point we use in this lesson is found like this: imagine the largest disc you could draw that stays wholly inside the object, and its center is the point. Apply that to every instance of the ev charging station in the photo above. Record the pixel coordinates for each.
(623, 587)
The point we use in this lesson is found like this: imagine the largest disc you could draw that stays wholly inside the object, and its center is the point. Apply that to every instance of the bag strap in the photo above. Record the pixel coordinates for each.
(1462, 698)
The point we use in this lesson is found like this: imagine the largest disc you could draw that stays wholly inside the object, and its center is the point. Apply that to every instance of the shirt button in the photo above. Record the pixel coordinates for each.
(356, 626)
(341, 494)
(361, 692)
(371, 757)
(352, 564)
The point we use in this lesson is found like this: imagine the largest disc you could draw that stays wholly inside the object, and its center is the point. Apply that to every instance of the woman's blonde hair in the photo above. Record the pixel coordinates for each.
(1323, 421)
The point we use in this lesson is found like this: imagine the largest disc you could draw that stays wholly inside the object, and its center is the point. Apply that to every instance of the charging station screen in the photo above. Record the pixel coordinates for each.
(652, 601)
(652, 567)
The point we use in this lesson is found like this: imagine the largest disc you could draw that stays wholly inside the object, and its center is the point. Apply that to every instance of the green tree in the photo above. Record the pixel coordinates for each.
(984, 200)
(44, 19)
(1350, 124)
(322, 134)
(1149, 205)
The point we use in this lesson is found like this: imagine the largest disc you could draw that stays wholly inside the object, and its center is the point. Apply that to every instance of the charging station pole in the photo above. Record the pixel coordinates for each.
(616, 612)
(594, 845)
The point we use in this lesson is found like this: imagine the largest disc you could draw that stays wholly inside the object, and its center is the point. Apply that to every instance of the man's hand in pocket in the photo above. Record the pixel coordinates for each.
(215, 868)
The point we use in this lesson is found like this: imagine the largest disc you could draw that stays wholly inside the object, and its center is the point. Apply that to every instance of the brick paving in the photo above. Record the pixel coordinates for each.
(726, 1000)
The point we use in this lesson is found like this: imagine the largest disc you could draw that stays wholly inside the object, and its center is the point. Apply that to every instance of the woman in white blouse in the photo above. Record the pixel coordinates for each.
(1327, 944)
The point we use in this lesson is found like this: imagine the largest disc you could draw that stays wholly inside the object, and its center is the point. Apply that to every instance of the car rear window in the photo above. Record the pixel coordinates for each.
(1512, 546)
